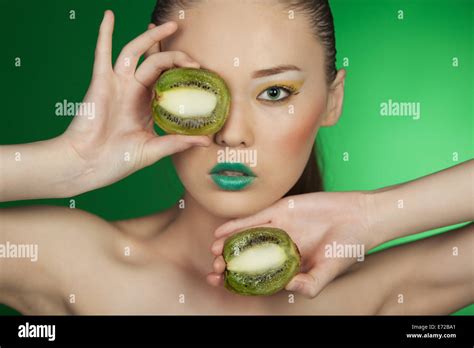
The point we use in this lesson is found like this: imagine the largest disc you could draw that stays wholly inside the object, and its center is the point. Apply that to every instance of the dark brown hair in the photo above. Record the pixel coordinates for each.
(321, 20)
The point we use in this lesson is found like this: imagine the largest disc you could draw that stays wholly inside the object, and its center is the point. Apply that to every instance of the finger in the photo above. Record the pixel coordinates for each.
(103, 50)
(261, 217)
(162, 146)
(215, 279)
(156, 47)
(304, 284)
(151, 68)
(131, 53)
(219, 264)
(310, 284)
(218, 246)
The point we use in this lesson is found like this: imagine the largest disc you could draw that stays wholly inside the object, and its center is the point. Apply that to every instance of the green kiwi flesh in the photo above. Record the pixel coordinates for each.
(260, 261)
(190, 101)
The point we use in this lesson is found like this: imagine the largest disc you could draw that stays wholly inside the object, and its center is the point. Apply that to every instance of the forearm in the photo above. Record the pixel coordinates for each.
(43, 169)
(439, 199)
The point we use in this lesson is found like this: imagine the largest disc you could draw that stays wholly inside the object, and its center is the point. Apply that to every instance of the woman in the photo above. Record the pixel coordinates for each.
(157, 264)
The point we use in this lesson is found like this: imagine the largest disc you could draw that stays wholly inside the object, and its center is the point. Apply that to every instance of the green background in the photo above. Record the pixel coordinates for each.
(403, 60)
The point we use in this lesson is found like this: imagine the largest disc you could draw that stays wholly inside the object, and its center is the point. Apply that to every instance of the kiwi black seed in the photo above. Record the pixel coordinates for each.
(260, 261)
(190, 101)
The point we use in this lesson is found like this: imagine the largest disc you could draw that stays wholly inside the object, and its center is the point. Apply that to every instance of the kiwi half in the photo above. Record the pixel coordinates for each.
(260, 261)
(190, 101)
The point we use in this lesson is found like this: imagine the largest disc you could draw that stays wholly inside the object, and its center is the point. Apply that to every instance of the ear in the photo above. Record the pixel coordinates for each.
(335, 100)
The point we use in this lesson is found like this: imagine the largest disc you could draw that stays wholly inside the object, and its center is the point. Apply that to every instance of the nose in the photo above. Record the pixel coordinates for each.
(237, 130)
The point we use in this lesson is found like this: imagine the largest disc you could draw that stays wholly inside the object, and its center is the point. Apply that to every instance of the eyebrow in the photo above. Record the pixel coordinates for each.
(275, 70)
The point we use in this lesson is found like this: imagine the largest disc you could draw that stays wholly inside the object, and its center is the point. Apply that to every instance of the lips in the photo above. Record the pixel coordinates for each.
(231, 173)
(232, 169)
(232, 176)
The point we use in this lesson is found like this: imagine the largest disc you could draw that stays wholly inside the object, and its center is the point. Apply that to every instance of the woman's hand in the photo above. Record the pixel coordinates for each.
(119, 138)
(320, 222)
(317, 222)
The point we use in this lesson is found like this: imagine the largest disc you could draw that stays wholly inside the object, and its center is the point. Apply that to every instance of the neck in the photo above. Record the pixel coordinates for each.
(191, 235)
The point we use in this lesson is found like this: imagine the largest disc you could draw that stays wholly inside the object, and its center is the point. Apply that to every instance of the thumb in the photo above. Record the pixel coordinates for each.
(161, 146)
(310, 284)
(307, 284)
(260, 218)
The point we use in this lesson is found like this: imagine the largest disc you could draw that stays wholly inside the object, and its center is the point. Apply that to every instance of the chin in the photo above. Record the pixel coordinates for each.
(234, 204)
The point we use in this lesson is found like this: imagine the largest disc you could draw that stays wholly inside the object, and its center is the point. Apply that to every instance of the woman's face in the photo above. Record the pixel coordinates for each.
(253, 47)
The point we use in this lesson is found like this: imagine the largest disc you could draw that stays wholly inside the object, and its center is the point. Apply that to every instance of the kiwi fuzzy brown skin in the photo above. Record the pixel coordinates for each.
(270, 281)
(193, 78)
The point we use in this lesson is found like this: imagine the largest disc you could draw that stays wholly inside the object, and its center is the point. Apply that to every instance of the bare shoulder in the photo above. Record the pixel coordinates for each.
(426, 277)
(41, 247)
(437, 276)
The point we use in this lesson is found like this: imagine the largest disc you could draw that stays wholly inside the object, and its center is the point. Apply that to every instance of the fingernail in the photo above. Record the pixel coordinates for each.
(294, 286)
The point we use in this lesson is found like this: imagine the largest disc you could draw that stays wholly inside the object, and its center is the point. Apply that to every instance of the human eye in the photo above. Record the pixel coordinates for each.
(276, 94)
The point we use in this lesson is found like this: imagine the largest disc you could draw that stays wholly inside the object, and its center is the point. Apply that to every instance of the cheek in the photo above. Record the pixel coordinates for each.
(300, 134)
(185, 163)
(300, 137)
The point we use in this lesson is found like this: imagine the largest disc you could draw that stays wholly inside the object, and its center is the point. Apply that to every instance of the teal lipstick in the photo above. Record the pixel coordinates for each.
(232, 176)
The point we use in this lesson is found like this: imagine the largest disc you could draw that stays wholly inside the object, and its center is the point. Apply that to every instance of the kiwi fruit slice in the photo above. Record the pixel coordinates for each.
(190, 101)
(260, 261)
